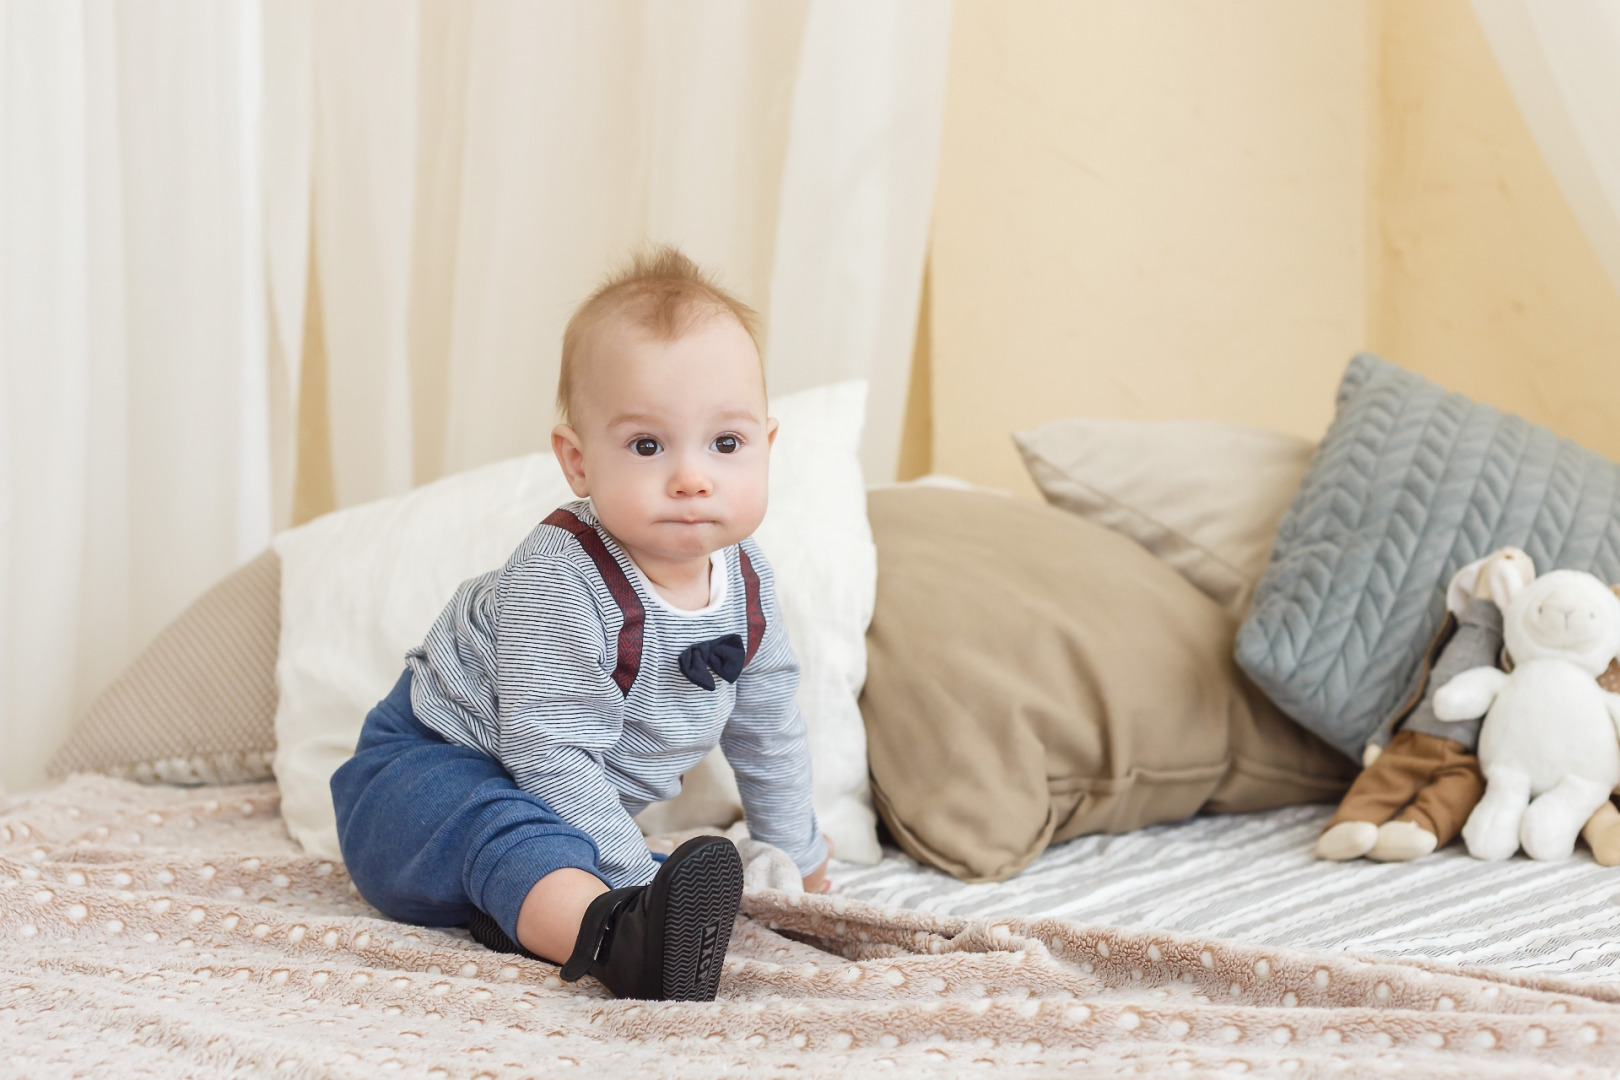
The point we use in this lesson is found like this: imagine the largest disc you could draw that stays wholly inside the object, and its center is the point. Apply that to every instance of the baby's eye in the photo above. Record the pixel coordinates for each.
(726, 444)
(645, 447)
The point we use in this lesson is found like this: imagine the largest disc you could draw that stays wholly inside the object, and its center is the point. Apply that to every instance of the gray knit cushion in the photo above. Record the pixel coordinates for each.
(1410, 483)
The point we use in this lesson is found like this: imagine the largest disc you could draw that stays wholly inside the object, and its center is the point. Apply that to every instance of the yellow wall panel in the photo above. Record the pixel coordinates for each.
(1146, 208)
(1201, 208)
(1486, 282)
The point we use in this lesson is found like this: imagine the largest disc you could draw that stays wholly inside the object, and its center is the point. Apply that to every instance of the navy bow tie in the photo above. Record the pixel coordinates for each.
(724, 656)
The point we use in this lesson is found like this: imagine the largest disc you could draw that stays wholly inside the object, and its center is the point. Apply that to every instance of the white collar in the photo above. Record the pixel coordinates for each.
(717, 587)
(717, 576)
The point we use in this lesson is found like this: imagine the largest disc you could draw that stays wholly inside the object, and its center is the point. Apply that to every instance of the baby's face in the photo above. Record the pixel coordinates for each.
(670, 438)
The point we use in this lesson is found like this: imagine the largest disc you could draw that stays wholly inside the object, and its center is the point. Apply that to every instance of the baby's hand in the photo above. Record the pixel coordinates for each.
(816, 881)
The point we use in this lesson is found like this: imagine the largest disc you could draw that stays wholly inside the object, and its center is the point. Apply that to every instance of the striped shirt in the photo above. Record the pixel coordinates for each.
(563, 665)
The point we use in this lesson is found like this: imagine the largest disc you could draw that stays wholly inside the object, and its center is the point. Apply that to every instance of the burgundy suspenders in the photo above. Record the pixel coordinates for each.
(756, 612)
(624, 594)
(635, 616)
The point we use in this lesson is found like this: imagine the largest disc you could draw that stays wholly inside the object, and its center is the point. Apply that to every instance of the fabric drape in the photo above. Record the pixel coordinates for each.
(134, 465)
(476, 167)
(199, 196)
(1562, 61)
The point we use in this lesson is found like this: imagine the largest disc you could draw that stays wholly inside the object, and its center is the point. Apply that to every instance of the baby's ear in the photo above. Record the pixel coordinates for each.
(571, 456)
(771, 426)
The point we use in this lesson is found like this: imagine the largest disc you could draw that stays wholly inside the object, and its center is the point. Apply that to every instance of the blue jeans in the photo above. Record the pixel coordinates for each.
(431, 830)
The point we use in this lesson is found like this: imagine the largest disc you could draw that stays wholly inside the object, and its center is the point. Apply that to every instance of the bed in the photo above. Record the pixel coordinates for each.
(161, 931)
(211, 930)
(1251, 877)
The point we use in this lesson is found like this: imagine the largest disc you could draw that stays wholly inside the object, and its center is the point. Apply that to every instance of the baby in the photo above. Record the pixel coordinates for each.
(632, 632)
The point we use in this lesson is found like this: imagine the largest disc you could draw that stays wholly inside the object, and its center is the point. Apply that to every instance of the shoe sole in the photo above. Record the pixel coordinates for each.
(704, 887)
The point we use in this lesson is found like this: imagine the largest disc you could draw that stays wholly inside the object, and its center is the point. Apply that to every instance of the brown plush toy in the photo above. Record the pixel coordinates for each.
(1416, 792)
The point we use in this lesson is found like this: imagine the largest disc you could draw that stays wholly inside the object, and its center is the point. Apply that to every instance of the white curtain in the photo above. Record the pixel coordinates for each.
(1562, 61)
(459, 173)
(477, 166)
(133, 425)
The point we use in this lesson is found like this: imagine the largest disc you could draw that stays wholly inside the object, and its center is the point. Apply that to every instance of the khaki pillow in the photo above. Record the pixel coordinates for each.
(1203, 497)
(1275, 762)
(199, 705)
(1032, 676)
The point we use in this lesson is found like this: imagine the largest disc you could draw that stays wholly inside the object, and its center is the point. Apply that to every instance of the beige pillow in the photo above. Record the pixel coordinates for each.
(1204, 497)
(1275, 762)
(1032, 676)
(199, 705)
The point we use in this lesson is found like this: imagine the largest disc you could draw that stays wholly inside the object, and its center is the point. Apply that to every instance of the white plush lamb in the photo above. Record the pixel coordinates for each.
(1550, 745)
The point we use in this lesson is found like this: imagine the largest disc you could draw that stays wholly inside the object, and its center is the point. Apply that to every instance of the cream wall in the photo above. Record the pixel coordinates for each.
(1486, 282)
(1163, 208)
(1146, 208)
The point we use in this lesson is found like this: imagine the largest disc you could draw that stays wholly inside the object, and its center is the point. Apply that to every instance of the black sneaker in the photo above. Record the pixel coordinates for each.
(664, 941)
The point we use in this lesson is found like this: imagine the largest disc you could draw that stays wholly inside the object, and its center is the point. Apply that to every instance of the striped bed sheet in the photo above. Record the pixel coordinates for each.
(1252, 878)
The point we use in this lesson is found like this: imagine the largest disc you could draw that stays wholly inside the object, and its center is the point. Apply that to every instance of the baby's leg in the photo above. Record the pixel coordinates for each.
(431, 830)
(549, 922)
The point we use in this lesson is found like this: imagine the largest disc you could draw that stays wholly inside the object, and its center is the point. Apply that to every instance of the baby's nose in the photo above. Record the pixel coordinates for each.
(690, 481)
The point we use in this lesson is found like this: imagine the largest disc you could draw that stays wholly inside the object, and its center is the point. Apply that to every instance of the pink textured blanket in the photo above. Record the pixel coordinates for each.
(167, 932)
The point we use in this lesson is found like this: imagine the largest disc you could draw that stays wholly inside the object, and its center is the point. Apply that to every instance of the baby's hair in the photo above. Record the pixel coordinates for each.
(661, 292)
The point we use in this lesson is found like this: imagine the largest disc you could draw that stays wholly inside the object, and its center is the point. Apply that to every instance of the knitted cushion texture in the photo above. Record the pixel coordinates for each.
(1410, 483)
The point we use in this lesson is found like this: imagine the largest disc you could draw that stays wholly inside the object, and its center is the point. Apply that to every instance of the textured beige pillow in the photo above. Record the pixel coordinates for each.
(199, 705)
(1203, 497)
(1032, 676)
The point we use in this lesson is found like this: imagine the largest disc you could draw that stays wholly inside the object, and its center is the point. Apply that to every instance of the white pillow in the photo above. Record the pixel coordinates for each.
(361, 586)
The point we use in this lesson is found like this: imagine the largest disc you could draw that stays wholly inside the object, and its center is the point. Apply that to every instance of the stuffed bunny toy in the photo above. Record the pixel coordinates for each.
(1420, 777)
(1550, 744)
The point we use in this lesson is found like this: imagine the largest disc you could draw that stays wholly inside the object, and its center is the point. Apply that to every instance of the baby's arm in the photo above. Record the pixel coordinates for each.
(561, 711)
(765, 742)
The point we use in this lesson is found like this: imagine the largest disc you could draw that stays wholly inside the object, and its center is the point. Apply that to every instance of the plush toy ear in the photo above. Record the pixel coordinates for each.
(1461, 589)
(1506, 572)
(1506, 575)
